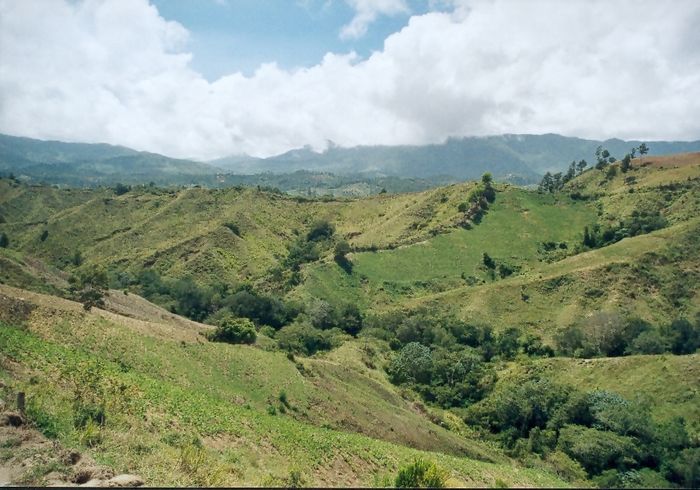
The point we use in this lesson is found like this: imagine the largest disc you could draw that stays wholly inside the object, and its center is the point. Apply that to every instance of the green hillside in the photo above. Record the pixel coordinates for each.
(509, 336)
(162, 388)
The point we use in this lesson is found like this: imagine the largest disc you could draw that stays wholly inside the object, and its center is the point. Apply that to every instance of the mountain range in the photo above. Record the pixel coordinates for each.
(519, 159)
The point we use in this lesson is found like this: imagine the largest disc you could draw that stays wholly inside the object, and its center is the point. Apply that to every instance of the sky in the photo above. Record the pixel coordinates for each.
(205, 79)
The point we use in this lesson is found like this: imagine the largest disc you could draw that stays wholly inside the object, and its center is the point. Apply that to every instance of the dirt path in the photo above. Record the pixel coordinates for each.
(5, 476)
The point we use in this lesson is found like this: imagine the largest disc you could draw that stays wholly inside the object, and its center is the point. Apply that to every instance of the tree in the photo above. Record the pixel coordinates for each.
(546, 184)
(350, 319)
(488, 261)
(120, 189)
(508, 342)
(192, 301)
(588, 238)
(91, 287)
(4, 241)
(601, 156)
(323, 315)
(234, 331)
(321, 230)
(626, 163)
(570, 173)
(683, 336)
(489, 192)
(556, 182)
(340, 256)
(643, 150)
(413, 363)
(580, 166)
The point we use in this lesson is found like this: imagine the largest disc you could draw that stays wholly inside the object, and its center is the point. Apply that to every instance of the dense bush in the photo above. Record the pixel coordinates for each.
(638, 223)
(347, 317)
(321, 230)
(615, 440)
(234, 331)
(597, 450)
(413, 363)
(421, 474)
(261, 308)
(302, 338)
(607, 334)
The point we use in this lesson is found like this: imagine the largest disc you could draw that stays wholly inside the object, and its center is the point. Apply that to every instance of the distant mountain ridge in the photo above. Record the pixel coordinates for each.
(57, 162)
(520, 159)
(511, 157)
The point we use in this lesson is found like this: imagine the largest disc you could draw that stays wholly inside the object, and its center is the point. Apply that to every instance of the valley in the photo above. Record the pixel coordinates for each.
(496, 332)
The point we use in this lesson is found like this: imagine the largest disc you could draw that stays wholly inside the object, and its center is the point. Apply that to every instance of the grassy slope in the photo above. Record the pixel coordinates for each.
(176, 384)
(604, 279)
(182, 232)
(511, 232)
(545, 295)
(348, 420)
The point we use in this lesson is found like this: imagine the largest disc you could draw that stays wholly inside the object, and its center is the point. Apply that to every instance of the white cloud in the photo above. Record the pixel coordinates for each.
(115, 71)
(366, 12)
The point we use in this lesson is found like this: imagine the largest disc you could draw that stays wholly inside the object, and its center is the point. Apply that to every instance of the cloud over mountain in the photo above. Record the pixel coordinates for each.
(116, 71)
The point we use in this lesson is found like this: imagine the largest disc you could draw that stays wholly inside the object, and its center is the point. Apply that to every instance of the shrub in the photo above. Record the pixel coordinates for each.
(565, 467)
(413, 363)
(598, 450)
(234, 331)
(120, 189)
(260, 308)
(350, 319)
(340, 256)
(234, 228)
(302, 338)
(649, 342)
(90, 287)
(4, 241)
(321, 230)
(684, 337)
(421, 474)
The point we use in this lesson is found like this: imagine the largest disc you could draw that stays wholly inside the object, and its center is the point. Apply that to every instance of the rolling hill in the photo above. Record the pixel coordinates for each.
(181, 410)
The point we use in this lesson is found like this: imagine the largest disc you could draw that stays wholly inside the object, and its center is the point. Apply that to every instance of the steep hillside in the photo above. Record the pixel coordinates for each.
(495, 331)
(163, 387)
